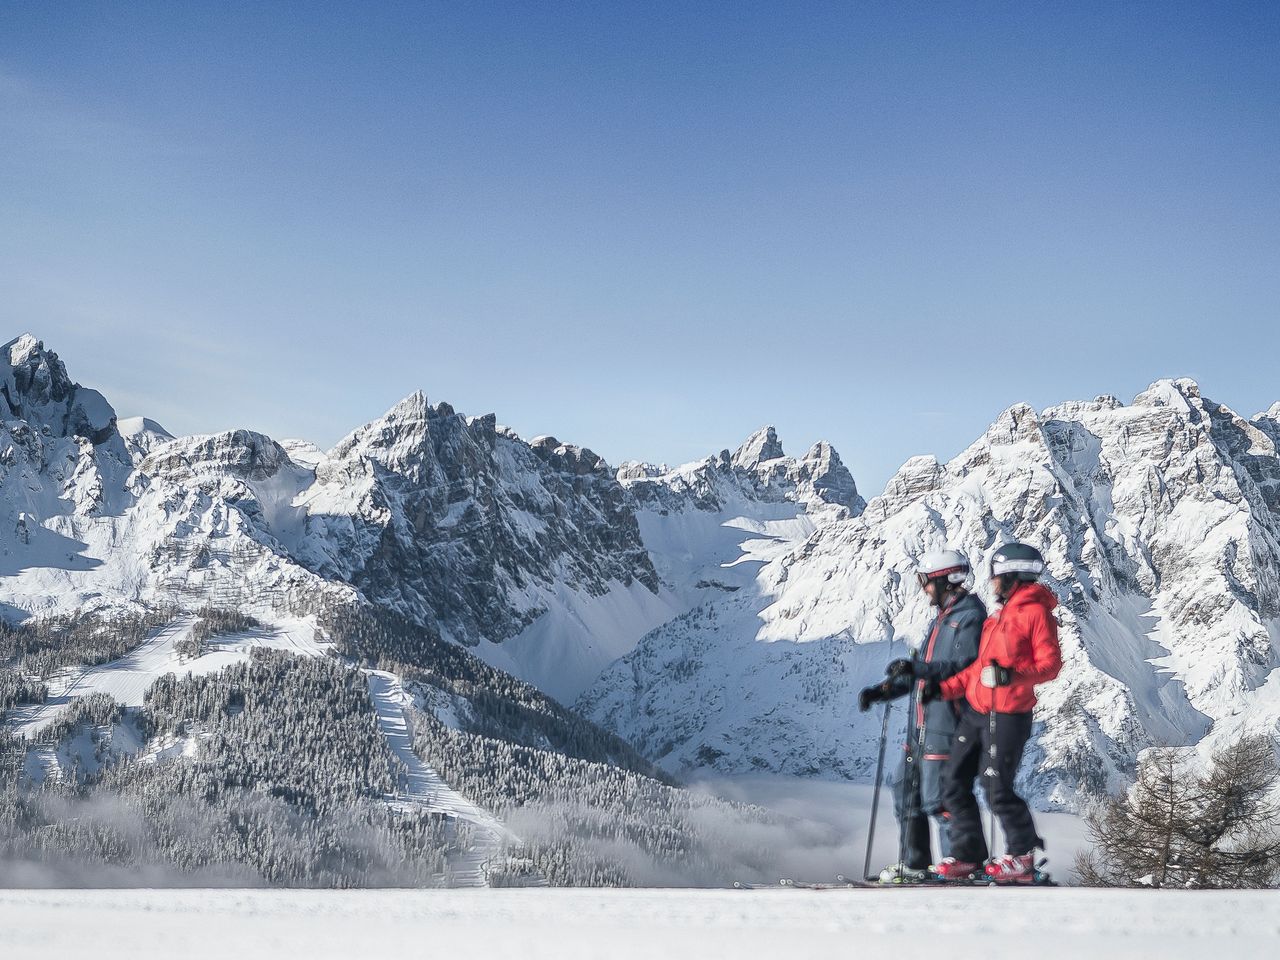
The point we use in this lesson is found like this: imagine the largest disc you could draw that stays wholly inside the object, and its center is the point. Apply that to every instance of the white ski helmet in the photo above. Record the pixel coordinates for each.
(935, 564)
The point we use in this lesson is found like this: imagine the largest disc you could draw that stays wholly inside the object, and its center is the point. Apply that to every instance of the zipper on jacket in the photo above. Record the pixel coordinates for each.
(928, 655)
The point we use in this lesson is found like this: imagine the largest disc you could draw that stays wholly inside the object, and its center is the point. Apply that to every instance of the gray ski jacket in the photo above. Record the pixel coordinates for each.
(950, 645)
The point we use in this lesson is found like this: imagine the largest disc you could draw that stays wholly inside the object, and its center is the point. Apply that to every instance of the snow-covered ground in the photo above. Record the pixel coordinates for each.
(128, 678)
(629, 924)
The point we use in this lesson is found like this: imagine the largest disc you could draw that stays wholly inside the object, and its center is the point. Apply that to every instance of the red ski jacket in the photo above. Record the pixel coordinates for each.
(1023, 636)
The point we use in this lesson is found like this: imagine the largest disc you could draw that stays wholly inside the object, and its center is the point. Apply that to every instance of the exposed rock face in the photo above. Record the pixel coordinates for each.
(34, 387)
(441, 515)
(59, 450)
(761, 447)
(758, 471)
(1161, 527)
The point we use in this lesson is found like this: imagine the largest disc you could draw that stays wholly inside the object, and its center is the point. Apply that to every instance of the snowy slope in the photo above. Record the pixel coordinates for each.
(706, 527)
(632, 924)
(1160, 524)
(708, 524)
(127, 680)
(424, 789)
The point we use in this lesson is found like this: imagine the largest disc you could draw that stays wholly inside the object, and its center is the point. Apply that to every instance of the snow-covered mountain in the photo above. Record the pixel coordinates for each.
(719, 614)
(703, 522)
(533, 554)
(506, 546)
(451, 521)
(1160, 521)
(266, 644)
(93, 518)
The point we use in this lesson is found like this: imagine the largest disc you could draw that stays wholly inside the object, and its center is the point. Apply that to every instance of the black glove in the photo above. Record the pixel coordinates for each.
(900, 668)
(870, 695)
(994, 675)
(930, 691)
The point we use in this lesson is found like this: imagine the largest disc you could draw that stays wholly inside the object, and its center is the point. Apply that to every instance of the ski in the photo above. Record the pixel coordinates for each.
(929, 881)
(838, 884)
(1040, 878)
(788, 883)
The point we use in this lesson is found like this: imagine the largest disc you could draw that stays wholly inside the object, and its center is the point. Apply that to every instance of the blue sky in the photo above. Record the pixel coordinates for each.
(644, 227)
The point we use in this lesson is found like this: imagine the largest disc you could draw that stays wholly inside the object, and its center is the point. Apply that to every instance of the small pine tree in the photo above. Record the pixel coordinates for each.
(1189, 827)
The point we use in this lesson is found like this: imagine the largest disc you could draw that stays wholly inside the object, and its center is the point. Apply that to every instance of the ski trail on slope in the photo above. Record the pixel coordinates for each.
(126, 679)
(425, 789)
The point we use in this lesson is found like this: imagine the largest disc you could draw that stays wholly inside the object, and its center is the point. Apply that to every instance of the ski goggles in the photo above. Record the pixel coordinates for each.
(924, 578)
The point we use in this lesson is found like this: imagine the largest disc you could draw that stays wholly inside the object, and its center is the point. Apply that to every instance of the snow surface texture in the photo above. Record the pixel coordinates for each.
(622, 925)
(1160, 522)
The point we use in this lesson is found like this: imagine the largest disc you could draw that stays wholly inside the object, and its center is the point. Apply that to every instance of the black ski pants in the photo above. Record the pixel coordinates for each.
(971, 758)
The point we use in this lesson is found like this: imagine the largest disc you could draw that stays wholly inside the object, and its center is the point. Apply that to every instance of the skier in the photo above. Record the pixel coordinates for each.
(1019, 649)
(950, 645)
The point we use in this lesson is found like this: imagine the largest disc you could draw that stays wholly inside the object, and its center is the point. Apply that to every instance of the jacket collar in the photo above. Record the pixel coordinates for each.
(1029, 593)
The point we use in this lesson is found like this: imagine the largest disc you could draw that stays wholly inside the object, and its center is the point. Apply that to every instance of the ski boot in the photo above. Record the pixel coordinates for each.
(957, 871)
(1010, 869)
(896, 873)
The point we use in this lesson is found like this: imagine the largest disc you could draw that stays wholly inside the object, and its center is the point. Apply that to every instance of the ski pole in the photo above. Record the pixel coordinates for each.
(917, 794)
(875, 796)
(993, 769)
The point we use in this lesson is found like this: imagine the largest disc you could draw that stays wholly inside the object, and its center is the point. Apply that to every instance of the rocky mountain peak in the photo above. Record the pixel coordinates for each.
(35, 376)
(915, 478)
(1181, 394)
(1018, 422)
(568, 457)
(35, 387)
(1160, 522)
(760, 447)
(830, 478)
(22, 348)
(413, 407)
(631, 470)
(757, 471)
(141, 435)
(1269, 423)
